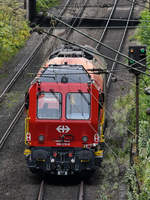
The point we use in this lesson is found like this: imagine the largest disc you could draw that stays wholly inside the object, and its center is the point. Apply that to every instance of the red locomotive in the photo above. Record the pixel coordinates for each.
(65, 114)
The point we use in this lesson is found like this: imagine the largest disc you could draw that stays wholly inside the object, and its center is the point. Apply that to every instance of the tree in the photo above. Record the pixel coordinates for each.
(44, 5)
(14, 29)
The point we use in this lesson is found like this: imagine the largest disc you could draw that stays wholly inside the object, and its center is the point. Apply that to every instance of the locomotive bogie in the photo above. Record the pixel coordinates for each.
(62, 161)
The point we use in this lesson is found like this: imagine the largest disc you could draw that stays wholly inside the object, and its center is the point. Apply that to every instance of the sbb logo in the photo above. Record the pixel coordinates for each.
(63, 129)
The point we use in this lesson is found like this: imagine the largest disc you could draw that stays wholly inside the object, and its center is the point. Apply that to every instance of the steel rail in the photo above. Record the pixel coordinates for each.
(16, 76)
(121, 44)
(76, 18)
(81, 191)
(80, 196)
(11, 126)
(108, 21)
(69, 29)
(41, 191)
(28, 61)
(64, 8)
(83, 8)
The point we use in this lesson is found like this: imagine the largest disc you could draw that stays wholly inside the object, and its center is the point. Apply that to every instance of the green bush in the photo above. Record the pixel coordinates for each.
(124, 118)
(44, 5)
(143, 31)
(143, 35)
(14, 29)
(123, 108)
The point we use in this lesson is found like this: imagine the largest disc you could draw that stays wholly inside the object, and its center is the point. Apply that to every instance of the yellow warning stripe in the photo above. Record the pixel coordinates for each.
(26, 128)
(101, 126)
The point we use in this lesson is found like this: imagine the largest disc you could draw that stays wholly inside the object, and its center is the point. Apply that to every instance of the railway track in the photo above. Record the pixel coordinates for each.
(11, 126)
(107, 23)
(42, 190)
(75, 18)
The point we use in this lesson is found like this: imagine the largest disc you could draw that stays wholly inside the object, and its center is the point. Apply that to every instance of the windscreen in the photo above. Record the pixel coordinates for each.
(49, 106)
(78, 106)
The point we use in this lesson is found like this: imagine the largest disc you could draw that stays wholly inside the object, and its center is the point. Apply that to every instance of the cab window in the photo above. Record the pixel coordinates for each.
(49, 106)
(78, 106)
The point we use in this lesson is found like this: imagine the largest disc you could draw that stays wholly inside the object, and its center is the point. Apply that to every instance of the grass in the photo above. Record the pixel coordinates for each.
(12, 99)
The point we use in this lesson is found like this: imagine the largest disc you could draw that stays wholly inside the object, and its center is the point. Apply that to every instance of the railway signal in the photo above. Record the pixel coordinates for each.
(137, 53)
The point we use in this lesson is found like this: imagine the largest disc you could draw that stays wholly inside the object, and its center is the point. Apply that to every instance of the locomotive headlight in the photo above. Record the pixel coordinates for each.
(41, 138)
(84, 138)
(52, 160)
(73, 160)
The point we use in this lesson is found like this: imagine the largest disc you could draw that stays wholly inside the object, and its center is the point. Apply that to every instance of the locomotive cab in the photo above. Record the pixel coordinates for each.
(63, 127)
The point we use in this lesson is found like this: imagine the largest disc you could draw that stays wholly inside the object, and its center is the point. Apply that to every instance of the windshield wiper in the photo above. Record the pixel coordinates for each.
(83, 95)
(54, 94)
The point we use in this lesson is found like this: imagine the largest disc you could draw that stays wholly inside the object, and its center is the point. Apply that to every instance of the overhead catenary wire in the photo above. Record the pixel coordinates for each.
(108, 72)
(97, 73)
(96, 53)
(105, 72)
(93, 39)
(100, 70)
(105, 18)
(109, 27)
(49, 75)
(79, 5)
